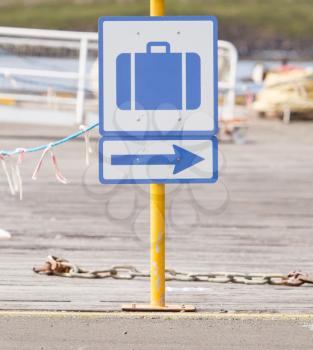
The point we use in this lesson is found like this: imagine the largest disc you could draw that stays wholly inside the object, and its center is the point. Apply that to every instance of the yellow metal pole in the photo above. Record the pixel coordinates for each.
(157, 7)
(157, 217)
(157, 233)
(157, 253)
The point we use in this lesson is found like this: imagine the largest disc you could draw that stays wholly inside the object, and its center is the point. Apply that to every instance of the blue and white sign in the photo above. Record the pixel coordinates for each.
(158, 161)
(158, 76)
(158, 100)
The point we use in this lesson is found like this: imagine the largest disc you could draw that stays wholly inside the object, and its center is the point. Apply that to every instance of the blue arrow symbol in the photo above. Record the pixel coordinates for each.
(181, 159)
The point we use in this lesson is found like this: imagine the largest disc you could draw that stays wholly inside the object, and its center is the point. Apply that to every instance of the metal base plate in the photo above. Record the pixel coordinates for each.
(150, 308)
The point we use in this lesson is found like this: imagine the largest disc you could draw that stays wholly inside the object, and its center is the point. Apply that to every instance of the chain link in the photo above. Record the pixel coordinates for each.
(63, 268)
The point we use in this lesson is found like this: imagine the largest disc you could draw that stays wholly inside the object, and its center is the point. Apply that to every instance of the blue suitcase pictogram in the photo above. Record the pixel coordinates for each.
(158, 80)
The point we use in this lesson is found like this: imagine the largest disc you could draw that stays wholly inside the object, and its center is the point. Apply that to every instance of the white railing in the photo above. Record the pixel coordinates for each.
(228, 55)
(81, 41)
(84, 42)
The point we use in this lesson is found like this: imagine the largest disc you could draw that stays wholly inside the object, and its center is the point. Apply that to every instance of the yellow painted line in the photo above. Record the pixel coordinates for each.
(167, 315)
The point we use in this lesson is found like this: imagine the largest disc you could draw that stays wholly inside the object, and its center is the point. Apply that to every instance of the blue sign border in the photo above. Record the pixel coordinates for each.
(158, 134)
(213, 179)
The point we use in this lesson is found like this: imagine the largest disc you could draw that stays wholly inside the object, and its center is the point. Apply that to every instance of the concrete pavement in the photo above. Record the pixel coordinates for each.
(96, 331)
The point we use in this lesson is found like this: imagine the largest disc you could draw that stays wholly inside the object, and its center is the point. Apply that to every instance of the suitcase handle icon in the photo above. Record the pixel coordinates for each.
(152, 44)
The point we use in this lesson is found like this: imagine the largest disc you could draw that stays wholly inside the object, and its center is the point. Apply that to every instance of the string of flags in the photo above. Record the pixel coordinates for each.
(12, 170)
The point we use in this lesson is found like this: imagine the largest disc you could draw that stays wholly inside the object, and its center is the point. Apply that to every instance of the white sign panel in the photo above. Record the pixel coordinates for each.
(158, 161)
(158, 76)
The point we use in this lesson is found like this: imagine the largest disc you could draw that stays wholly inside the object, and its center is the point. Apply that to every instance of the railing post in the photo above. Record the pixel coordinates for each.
(82, 69)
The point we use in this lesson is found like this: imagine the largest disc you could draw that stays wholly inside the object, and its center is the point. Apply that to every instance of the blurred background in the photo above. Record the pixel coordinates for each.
(256, 27)
(57, 69)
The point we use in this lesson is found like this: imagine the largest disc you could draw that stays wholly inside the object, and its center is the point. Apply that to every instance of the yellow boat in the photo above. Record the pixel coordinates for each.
(286, 93)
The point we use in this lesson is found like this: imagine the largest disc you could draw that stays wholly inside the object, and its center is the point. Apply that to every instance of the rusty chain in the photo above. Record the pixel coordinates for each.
(63, 268)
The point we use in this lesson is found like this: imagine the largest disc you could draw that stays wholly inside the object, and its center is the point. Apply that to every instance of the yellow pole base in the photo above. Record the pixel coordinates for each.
(150, 308)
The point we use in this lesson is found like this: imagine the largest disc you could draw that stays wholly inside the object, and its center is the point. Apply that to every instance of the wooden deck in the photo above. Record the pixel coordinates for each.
(258, 218)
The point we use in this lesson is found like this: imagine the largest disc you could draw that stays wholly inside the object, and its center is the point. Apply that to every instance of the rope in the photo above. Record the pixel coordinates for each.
(58, 173)
(19, 181)
(53, 144)
(88, 149)
(7, 175)
(14, 178)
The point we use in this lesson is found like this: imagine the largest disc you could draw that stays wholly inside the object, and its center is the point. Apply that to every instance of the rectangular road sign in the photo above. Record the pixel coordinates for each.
(158, 161)
(158, 76)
